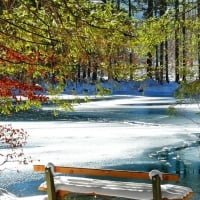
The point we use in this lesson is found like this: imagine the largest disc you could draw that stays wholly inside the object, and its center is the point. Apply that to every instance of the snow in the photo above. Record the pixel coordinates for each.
(142, 191)
(147, 87)
(81, 134)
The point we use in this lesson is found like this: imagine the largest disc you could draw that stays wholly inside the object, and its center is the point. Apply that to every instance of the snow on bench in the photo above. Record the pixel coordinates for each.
(61, 185)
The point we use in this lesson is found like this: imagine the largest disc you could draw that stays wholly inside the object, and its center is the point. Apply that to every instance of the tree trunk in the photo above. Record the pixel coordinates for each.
(198, 10)
(162, 49)
(183, 42)
(129, 8)
(150, 8)
(176, 43)
(157, 50)
(89, 70)
(1, 7)
(118, 4)
(166, 62)
(149, 65)
(161, 62)
(131, 66)
(157, 65)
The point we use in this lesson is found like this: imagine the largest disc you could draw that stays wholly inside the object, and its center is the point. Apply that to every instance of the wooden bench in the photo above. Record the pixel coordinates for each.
(78, 180)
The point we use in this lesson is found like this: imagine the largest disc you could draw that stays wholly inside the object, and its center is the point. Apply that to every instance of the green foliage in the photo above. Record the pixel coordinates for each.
(6, 106)
(40, 40)
(152, 32)
(26, 105)
(101, 91)
(189, 90)
(171, 111)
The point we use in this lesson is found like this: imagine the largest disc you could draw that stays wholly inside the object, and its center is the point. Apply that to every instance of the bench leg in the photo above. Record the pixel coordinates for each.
(50, 184)
(156, 188)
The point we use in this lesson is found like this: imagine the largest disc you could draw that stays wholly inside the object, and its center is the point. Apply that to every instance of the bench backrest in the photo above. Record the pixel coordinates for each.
(106, 173)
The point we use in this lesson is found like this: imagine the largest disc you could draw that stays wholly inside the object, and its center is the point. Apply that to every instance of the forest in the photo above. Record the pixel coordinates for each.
(46, 43)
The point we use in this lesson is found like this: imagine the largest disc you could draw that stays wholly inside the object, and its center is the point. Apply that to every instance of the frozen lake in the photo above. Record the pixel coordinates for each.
(131, 133)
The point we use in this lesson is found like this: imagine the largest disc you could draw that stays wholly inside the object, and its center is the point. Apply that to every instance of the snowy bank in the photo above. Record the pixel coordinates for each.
(147, 87)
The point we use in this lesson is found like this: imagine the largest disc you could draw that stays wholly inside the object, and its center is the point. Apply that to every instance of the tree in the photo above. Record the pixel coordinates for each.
(162, 45)
(198, 14)
(150, 8)
(45, 42)
(150, 14)
(12, 140)
(177, 77)
(184, 39)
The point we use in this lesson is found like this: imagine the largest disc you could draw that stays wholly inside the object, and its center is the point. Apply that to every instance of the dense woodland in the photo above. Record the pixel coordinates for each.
(53, 41)
(46, 43)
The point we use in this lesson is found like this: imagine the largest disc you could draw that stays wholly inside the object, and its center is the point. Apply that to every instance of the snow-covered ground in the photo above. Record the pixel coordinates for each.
(122, 132)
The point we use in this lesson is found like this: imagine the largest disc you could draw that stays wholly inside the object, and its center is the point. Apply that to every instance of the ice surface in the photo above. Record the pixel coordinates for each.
(140, 136)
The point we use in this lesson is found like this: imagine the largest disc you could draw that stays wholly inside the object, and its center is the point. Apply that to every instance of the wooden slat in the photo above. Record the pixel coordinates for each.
(190, 195)
(106, 173)
(62, 193)
(39, 168)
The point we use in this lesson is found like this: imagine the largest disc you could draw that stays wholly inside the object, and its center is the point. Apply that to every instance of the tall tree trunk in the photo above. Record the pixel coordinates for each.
(149, 65)
(129, 8)
(157, 50)
(1, 7)
(157, 64)
(166, 62)
(89, 70)
(131, 66)
(150, 9)
(198, 10)
(118, 4)
(131, 52)
(177, 76)
(162, 49)
(183, 42)
(166, 53)
(161, 63)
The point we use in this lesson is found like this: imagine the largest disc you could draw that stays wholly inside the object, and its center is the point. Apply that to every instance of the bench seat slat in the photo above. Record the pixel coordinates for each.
(131, 190)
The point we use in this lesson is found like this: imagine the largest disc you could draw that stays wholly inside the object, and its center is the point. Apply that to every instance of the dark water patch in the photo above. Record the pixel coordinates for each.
(170, 157)
(192, 181)
(95, 114)
(29, 115)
